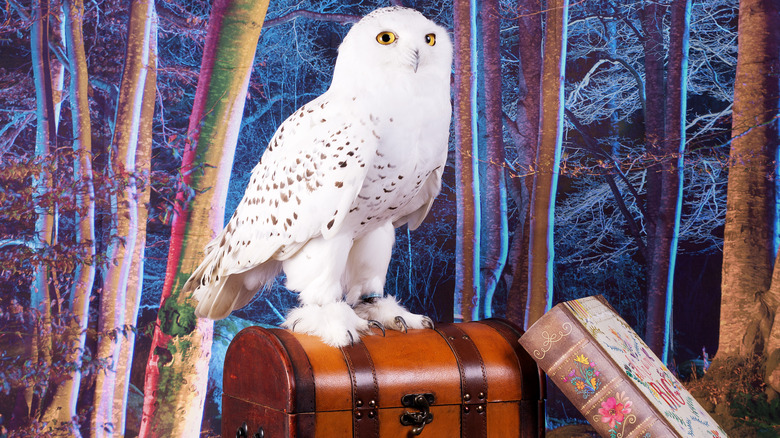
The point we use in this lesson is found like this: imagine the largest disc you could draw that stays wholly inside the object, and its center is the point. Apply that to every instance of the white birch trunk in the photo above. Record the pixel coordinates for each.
(135, 279)
(124, 229)
(63, 406)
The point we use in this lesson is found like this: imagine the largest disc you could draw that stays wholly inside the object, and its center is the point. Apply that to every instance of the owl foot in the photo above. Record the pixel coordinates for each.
(402, 326)
(389, 313)
(377, 324)
(335, 323)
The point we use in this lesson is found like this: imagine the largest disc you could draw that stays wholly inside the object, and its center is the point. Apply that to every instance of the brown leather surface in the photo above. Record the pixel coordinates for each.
(503, 375)
(241, 377)
(414, 363)
(530, 388)
(331, 377)
(365, 391)
(236, 412)
(303, 393)
(473, 379)
(532, 399)
(249, 398)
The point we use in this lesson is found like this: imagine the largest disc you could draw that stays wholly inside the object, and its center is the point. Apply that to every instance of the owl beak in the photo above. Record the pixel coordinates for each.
(416, 60)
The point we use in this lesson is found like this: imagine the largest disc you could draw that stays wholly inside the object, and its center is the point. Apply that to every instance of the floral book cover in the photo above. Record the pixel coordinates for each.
(612, 377)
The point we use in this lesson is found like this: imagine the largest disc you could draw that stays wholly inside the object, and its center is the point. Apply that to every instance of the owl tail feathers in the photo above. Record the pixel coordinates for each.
(229, 291)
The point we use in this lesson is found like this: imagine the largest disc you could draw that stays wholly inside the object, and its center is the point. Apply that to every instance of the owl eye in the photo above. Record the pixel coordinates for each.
(430, 39)
(385, 38)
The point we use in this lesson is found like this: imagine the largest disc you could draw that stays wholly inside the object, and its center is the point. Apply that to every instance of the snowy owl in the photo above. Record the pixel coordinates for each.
(337, 178)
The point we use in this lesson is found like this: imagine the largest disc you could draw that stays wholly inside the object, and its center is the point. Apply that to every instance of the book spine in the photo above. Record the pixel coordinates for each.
(587, 376)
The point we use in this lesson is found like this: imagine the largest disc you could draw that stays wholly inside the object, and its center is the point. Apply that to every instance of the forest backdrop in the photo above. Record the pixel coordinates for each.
(598, 147)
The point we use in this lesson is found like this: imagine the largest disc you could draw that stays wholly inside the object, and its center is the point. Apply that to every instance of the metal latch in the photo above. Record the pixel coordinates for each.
(422, 403)
(243, 432)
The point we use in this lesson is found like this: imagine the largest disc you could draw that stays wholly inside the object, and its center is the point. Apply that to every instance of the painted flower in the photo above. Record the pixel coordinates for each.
(580, 385)
(582, 359)
(613, 412)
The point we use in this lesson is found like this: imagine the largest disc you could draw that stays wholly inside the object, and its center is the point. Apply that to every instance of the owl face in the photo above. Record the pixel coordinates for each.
(395, 41)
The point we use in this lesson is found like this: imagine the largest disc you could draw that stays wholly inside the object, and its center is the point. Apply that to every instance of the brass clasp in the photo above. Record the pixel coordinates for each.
(422, 403)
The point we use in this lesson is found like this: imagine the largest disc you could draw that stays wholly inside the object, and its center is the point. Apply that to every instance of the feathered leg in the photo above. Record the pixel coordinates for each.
(366, 272)
(316, 272)
(367, 264)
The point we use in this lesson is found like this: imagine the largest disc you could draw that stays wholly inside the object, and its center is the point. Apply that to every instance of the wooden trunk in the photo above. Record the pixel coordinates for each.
(470, 380)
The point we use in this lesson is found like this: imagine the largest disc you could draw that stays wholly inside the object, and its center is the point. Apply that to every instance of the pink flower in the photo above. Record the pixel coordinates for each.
(613, 412)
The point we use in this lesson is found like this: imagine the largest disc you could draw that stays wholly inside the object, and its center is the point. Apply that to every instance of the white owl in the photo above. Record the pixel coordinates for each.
(337, 178)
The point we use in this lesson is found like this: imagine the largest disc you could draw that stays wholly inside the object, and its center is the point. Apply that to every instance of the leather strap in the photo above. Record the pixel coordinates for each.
(473, 381)
(304, 375)
(365, 390)
(528, 368)
(304, 400)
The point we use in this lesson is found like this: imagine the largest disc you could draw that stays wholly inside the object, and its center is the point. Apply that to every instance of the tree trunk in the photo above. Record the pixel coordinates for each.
(143, 160)
(667, 212)
(176, 374)
(658, 215)
(58, 69)
(124, 213)
(467, 190)
(749, 306)
(63, 405)
(494, 240)
(40, 345)
(525, 135)
(548, 155)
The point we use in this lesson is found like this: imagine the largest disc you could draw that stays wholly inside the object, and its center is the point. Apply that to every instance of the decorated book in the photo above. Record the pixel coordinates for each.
(611, 376)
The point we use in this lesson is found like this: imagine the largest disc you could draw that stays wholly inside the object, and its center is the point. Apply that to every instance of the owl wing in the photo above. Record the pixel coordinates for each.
(307, 179)
(303, 187)
(428, 192)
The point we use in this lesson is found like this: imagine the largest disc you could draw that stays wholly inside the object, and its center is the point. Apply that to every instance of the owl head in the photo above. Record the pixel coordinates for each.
(394, 41)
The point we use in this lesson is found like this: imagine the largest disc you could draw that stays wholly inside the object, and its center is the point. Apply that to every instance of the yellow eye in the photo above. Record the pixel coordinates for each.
(430, 39)
(385, 38)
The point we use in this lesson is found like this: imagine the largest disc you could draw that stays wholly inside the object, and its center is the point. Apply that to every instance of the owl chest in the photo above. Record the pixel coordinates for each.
(389, 192)
(412, 144)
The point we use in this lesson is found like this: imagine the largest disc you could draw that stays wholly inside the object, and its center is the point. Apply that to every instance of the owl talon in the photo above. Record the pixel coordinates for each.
(351, 339)
(392, 315)
(292, 327)
(401, 324)
(377, 324)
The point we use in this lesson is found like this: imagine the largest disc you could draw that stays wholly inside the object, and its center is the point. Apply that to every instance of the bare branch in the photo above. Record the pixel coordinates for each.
(706, 128)
(14, 128)
(640, 84)
(20, 9)
(592, 145)
(16, 242)
(334, 18)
